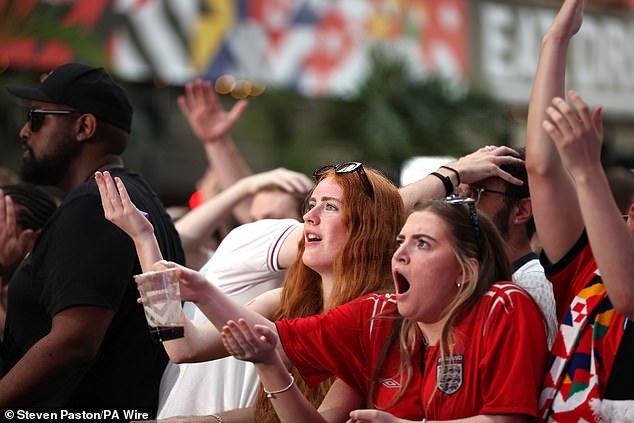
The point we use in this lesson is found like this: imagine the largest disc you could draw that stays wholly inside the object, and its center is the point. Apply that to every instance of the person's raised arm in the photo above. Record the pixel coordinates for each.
(212, 125)
(481, 164)
(196, 227)
(119, 209)
(555, 207)
(578, 135)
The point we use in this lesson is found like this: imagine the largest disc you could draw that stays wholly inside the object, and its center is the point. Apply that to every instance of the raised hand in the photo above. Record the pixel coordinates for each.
(14, 241)
(577, 132)
(284, 179)
(119, 209)
(568, 19)
(204, 113)
(485, 163)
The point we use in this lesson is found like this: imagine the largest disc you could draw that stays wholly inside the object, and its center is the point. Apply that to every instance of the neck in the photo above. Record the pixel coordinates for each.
(432, 331)
(517, 244)
(83, 173)
(326, 287)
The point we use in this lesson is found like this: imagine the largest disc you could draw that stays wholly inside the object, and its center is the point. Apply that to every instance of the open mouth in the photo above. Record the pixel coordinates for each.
(312, 238)
(402, 284)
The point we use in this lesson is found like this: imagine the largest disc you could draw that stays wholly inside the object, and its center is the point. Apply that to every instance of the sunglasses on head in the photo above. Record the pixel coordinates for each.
(473, 214)
(347, 168)
(36, 117)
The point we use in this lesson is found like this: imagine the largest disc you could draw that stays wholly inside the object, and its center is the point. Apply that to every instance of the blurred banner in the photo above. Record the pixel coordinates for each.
(315, 46)
(320, 47)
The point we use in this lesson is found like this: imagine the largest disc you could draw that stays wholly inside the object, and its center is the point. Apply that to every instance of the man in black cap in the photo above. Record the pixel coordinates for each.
(75, 337)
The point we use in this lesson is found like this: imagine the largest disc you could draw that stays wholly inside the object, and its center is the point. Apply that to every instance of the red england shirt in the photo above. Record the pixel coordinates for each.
(496, 367)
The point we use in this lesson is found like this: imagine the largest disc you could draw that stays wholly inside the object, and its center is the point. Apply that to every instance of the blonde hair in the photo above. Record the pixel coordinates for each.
(361, 266)
(483, 260)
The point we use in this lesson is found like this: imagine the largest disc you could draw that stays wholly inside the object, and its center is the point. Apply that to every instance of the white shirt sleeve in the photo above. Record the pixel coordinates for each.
(245, 264)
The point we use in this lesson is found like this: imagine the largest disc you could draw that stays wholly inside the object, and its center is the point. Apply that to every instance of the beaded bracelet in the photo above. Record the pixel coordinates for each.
(217, 417)
(271, 394)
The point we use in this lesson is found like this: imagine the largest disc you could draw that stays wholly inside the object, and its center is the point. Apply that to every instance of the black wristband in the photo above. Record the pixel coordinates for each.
(446, 181)
(454, 171)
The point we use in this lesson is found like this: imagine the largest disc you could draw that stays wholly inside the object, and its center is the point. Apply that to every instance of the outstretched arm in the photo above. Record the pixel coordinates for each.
(578, 135)
(260, 345)
(555, 206)
(201, 342)
(481, 164)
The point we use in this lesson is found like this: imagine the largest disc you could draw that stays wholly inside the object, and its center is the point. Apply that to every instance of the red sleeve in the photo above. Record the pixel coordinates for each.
(514, 353)
(333, 343)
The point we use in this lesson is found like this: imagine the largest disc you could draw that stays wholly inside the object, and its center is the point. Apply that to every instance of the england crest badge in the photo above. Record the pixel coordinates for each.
(449, 374)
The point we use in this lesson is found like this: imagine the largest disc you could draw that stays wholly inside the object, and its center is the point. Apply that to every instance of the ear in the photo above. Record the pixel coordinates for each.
(85, 127)
(522, 211)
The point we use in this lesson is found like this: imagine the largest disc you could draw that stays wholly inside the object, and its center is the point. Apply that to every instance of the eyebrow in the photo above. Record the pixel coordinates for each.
(417, 237)
(326, 199)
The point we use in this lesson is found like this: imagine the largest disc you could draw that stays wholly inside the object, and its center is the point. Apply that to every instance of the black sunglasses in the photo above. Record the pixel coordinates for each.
(347, 168)
(35, 117)
(473, 214)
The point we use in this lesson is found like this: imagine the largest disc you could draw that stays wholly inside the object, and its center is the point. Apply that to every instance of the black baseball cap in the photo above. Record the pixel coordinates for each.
(85, 88)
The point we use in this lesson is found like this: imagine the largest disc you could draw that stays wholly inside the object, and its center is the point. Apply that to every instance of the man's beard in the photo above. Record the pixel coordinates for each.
(50, 170)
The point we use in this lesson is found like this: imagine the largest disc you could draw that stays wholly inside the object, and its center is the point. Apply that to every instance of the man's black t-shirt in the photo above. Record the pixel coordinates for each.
(81, 259)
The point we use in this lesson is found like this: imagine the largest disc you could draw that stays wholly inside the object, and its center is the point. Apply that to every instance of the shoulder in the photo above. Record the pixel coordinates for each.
(506, 297)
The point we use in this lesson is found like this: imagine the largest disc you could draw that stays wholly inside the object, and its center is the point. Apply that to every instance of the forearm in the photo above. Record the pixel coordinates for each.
(426, 188)
(611, 241)
(219, 309)
(40, 372)
(555, 206)
(290, 405)
(196, 227)
(230, 167)
(148, 250)
(199, 343)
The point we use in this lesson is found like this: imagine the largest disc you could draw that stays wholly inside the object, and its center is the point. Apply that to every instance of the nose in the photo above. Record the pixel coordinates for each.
(400, 255)
(25, 131)
(312, 216)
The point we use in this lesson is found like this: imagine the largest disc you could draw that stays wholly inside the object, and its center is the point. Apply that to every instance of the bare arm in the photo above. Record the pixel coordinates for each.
(481, 164)
(259, 344)
(119, 209)
(212, 126)
(196, 226)
(578, 136)
(75, 337)
(202, 342)
(555, 207)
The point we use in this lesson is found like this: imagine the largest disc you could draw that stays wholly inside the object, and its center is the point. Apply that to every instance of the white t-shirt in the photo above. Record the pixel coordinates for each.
(531, 277)
(244, 266)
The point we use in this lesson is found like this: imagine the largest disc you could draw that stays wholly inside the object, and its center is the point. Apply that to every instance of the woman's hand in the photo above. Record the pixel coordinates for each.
(485, 163)
(255, 344)
(119, 209)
